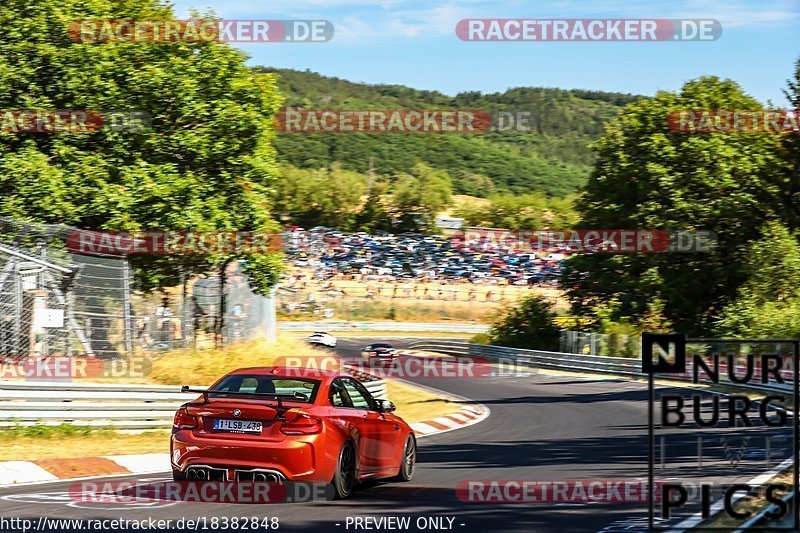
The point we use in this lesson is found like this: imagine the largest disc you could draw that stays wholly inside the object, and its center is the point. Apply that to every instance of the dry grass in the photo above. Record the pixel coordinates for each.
(753, 503)
(409, 301)
(65, 442)
(417, 405)
(204, 367)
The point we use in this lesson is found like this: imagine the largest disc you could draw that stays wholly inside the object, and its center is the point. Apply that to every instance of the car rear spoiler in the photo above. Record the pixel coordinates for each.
(252, 395)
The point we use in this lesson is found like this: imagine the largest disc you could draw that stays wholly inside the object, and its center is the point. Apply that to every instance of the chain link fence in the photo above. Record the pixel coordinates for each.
(57, 303)
(592, 343)
(208, 310)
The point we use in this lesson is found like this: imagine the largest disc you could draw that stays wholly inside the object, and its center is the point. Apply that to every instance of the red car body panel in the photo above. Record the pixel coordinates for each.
(379, 438)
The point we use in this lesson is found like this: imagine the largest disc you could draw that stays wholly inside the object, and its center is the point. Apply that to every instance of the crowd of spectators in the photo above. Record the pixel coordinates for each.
(326, 254)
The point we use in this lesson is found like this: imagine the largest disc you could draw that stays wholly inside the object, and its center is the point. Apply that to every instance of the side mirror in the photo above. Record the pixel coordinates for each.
(385, 406)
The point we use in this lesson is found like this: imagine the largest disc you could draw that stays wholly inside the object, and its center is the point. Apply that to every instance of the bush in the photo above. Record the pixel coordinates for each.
(530, 323)
(480, 338)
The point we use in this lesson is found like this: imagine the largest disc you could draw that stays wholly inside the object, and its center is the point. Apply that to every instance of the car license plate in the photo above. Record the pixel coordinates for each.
(237, 425)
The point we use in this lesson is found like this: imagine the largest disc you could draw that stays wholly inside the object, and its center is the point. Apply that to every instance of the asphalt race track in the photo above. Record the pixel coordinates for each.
(542, 427)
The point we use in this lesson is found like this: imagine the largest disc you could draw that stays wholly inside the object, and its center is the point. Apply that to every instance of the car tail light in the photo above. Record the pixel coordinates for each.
(302, 425)
(183, 420)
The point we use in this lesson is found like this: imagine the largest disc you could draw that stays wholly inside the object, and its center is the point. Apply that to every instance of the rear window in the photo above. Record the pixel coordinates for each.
(303, 390)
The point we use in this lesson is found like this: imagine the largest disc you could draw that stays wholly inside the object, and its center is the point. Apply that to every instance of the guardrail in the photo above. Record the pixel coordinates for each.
(28, 403)
(346, 325)
(536, 358)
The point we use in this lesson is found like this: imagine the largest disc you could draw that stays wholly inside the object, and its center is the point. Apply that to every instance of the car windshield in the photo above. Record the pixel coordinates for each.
(304, 390)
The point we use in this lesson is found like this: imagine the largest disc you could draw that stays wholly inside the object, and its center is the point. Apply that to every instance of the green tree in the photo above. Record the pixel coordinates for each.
(417, 197)
(768, 303)
(474, 184)
(533, 211)
(374, 214)
(205, 164)
(327, 197)
(529, 323)
(647, 177)
(790, 154)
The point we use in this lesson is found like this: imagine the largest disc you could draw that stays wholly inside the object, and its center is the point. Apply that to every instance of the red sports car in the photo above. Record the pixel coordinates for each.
(274, 424)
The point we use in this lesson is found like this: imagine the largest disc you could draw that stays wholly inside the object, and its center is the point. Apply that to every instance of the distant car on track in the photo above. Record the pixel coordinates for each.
(320, 337)
(379, 352)
(269, 425)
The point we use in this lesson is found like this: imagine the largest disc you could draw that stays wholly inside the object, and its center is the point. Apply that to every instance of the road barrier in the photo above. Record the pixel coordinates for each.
(536, 358)
(346, 325)
(568, 362)
(117, 406)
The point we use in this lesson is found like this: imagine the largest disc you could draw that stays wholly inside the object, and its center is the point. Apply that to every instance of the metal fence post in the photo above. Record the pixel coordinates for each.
(270, 315)
(17, 283)
(126, 306)
(187, 326)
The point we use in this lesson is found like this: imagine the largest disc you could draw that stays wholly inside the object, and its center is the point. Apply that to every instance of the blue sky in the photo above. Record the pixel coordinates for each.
(413, 42)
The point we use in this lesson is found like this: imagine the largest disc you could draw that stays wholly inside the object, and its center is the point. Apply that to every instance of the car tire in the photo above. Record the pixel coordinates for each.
(344, 479)
(177, 475)
(409, 461)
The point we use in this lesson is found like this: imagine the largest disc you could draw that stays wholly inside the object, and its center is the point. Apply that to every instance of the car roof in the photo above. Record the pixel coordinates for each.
(285, 371)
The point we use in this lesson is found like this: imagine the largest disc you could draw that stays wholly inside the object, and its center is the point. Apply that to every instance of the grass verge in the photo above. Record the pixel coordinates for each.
(204, 367)
(753, 503)
(417, 405)
(25, 443)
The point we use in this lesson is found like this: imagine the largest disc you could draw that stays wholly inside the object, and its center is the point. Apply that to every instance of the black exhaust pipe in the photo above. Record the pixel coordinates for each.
(272, 478)
(191, 474)
(260, 477)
